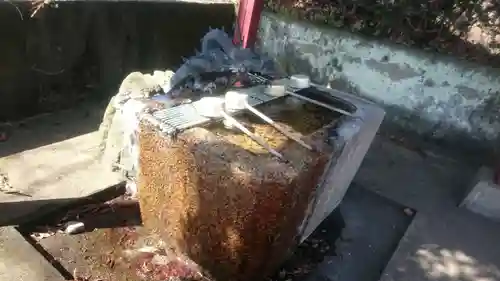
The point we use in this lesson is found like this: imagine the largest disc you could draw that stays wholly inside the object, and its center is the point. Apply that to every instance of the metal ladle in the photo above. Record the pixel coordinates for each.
(214, 107)
(278, 89)
(237, 101)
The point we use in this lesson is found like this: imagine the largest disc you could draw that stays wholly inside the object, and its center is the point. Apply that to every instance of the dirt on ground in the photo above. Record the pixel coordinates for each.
(466, 29)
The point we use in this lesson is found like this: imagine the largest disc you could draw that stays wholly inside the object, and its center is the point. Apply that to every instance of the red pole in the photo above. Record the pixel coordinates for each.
(248, 22)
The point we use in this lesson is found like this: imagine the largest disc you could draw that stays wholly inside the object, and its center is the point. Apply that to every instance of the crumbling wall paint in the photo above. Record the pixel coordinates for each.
(436, 96)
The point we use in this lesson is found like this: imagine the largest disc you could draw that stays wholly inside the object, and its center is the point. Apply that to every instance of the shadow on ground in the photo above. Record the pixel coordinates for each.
(373, 228)
(51, 128)
(45, 212)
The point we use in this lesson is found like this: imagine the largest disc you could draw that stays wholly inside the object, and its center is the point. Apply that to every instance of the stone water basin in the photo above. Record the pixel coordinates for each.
(234, 209)
(213, 205)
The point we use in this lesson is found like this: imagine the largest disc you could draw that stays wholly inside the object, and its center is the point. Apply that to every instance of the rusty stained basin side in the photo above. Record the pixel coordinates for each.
(356, 135)
(229, 207)
(244, 239)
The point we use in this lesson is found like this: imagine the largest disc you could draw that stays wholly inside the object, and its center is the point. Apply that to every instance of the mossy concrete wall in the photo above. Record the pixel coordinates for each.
(440, 98)
(83, 50)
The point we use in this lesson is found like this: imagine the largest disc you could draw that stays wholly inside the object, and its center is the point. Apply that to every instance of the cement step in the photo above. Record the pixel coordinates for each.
(443, 242)
(373, 227)
(455, 245)
(51, 160)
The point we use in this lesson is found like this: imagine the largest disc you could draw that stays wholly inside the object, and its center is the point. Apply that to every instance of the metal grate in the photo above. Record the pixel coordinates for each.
(184, 116)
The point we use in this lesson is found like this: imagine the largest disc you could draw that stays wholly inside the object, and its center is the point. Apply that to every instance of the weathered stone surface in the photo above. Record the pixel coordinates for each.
(361, 130)
(21, 261)
(51, 160)
(484, 195)
(443, 242)
(226, 203)
(438, 98)
(114, 122)
(454, 245)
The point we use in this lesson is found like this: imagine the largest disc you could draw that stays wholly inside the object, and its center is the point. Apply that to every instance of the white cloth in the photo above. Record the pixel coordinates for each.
(130, 117)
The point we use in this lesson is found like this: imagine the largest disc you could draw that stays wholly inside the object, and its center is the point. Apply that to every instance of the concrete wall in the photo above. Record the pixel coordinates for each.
(83, 50)
(440, 98)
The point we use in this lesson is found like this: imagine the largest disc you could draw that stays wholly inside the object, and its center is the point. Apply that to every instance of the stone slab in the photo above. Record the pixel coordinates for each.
(373, 227)
(454, 245)
(414, 178)
(22, 262)
(484, 195)
(45, 129)
(51, 174)
(443, 242)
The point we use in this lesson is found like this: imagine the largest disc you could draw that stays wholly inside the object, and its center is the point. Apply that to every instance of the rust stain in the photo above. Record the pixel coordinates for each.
(231, 209)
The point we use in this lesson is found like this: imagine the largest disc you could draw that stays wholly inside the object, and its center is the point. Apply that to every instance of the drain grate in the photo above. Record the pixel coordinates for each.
(184, 116)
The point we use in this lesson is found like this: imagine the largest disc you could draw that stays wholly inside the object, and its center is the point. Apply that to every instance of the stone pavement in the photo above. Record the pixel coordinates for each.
(443, 242)
(20, 261)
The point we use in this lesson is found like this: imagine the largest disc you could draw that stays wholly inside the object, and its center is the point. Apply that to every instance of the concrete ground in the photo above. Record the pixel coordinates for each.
(374, 225)
(20, 261)
(52, 159)
(443, 242)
